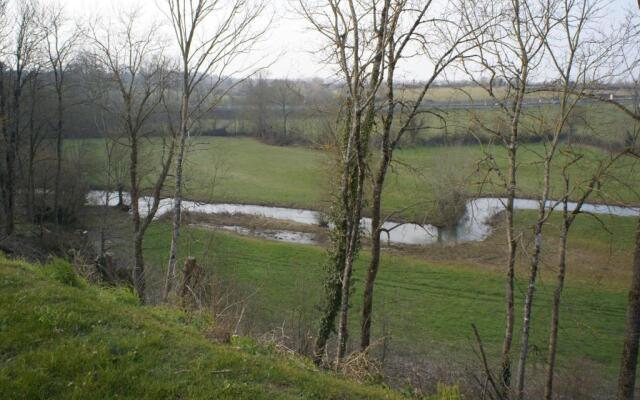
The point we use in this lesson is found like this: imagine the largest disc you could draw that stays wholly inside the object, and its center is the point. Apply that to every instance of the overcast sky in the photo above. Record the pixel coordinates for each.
(288, 41)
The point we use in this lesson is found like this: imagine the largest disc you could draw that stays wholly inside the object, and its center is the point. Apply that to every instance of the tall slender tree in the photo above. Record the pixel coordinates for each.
(508, 54)
(441, 42)
(132, 58)
(286, 96)
(355, 37)
(630, 59)
(4, 117)
(211, 36)
(578, 53)
(23, 53)
(36, 137)
(60, 39)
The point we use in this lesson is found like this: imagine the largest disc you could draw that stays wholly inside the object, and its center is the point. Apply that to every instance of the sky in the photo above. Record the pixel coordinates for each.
(289, 47)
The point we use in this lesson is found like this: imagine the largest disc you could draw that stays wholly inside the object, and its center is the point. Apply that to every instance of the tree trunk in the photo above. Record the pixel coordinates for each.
(555, 308)
(528, 306)
(347, 267)
(284, 119)
(177, 205)
(8, 189)
(31, 188)
(378, 187)
(354, 238)
(11, 157)
(374, 265)
(56, 195)
(31, 161)
(333, 292)
(534, 268)
(337, 260)
(139, 279)
(510, 283)
(121, 196)
(355, 186)
(5, 137)
(627, 376)
(345, 293)
(340, 235)
(138, 266)
(32, 149)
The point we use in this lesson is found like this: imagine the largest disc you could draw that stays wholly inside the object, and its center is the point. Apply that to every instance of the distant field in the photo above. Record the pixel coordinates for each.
(465, 93)
(589, 123)
(248, 171)
(425, 307)
(454, 118)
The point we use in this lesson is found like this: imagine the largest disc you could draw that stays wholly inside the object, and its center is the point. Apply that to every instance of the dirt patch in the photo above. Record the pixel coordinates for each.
(248, 221)
(250, 225)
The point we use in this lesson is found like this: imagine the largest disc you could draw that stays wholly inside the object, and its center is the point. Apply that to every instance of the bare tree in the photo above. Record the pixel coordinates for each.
(286, 96)
(23, 53)
(132, 57)
(578, 53)
(60, 40)
(509, 51)
(627, 63)
(36, 136)
(439, 40)
(256, 103)
(211, 36)
(629, 361)
(630, 59)
(4, 120)
(355, 35)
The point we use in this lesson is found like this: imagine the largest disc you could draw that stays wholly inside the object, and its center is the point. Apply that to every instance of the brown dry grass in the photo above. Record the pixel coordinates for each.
(585, 264)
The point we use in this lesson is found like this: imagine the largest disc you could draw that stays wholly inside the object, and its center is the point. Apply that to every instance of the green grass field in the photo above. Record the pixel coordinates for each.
(426, 307)
(604, 233)
(247, 171)
(61, 338)
(591, 122)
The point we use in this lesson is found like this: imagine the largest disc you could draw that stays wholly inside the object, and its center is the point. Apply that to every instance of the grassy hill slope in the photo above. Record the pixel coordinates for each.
(62, 338)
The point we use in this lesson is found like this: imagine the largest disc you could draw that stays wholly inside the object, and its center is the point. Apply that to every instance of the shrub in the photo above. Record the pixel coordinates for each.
(63, 272)
(450, 191)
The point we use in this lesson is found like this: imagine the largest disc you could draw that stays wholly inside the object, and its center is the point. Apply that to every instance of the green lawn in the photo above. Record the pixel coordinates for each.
(63, 339)
(427, 308)
(247, 171)
(621, 186)
(239, 170)
(600, 233)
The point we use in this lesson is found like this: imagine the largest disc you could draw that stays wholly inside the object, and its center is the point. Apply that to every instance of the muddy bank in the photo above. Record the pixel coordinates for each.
(257, 226)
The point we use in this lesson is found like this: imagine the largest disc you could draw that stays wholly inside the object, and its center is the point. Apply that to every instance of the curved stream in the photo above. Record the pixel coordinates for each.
(475, 225)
